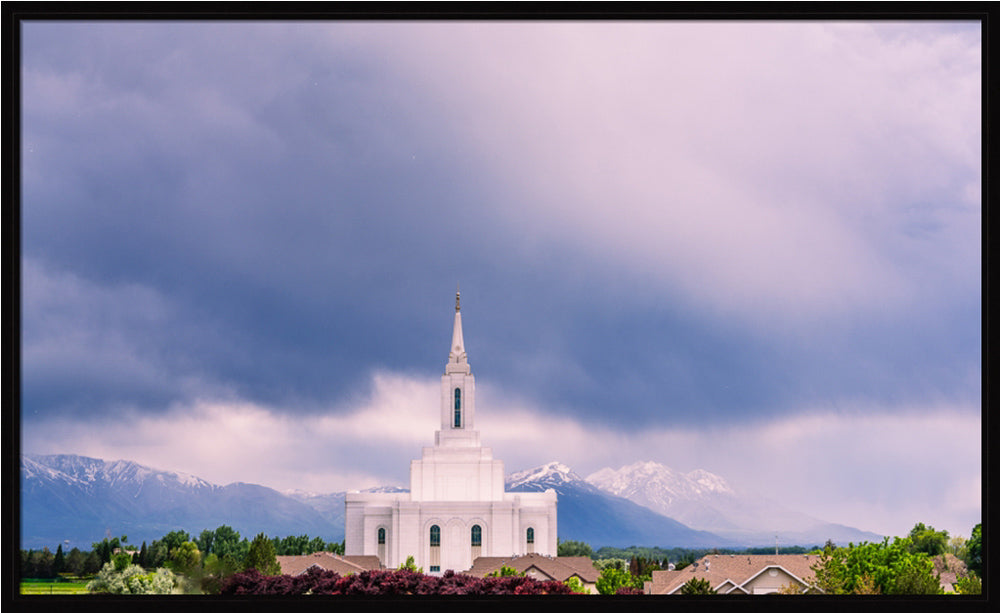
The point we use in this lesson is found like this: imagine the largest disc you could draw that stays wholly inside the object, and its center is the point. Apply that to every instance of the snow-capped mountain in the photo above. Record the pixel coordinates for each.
(82, 499)
(542, 477)
(657, 485)
(705, 501)
(588, 514)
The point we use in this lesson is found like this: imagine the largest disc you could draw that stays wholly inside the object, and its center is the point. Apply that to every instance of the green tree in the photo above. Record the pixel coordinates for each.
(205, 540)
(106, 548)
(140, 558)
(337, 548)
(866, 586)
(956, 547)
(574, 548)
(92, 563)
(186, 559)
(174, 539)
(576, 585)
(74, 561)
(315, 545)
(132, 580)
(697, 586)
(411, 565)
(227, 542)
(505, 571)
(969, 584)
(41, 563)
(618, 563)
(157, 555)
(891, 568)
(59, 562)
(121, 560)
(262, 557)
(974, 550)
(927, 540)
(612, 579)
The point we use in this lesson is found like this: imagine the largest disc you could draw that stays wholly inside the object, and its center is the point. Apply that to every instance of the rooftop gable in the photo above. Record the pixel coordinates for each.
(717, 569)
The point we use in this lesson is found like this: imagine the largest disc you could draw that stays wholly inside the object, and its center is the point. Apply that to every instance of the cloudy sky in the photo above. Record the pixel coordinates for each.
(748, 247)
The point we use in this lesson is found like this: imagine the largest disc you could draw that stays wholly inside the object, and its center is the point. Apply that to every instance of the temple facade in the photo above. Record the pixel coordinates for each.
(456, 509)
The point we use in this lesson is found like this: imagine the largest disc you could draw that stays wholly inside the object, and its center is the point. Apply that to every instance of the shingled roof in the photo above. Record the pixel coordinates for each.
(545, 567)
(949, 568)
(343, 565)
(734, 573)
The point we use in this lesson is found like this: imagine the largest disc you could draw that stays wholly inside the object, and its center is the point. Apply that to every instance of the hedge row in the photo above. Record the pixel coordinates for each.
(383, 583)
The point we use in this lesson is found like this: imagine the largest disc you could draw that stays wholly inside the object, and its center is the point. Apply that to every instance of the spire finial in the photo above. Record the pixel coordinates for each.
(458, 296)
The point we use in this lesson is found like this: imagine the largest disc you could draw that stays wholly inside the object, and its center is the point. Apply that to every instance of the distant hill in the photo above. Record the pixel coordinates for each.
(81, 499)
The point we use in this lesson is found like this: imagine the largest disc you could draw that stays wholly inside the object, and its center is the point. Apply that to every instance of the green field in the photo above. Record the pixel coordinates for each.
(53, 587)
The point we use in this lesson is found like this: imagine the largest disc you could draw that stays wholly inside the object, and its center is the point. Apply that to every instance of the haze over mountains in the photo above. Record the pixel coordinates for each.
(82, 500)
(705, 501)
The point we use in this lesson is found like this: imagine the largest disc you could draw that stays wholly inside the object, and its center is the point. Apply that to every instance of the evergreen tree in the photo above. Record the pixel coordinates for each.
(261, 556)
(140, 558)
(59, 563)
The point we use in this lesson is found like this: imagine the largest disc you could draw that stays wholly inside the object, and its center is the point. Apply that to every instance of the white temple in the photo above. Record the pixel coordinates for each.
(456, 509)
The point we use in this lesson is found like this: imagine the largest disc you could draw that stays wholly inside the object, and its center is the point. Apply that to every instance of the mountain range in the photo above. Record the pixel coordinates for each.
(81, 500)
(705, 501)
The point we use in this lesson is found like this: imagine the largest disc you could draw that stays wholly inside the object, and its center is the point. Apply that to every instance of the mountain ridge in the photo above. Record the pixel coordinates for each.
(81, 499)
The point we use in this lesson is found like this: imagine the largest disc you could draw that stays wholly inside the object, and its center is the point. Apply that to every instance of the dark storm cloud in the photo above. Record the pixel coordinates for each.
(292, 220)
(300, 203)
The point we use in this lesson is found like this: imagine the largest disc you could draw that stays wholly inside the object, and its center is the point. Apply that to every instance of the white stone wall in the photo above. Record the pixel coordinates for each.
(407, 524)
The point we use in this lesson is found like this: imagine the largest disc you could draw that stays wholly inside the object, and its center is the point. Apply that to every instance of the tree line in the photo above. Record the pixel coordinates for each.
(207, 558)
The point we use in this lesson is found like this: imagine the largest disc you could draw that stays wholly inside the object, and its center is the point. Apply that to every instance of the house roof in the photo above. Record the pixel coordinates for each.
(558, 568)
(950, 568)
(733, 570)
(296, 565)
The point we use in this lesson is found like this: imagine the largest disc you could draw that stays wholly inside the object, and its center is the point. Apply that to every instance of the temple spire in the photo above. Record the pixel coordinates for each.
(457, 354)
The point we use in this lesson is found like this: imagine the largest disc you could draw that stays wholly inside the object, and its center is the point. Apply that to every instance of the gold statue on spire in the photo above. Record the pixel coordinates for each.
(458, 296)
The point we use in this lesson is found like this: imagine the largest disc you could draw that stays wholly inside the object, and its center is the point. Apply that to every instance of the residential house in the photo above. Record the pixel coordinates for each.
(739, 574)
(343, 565)
(542, 568)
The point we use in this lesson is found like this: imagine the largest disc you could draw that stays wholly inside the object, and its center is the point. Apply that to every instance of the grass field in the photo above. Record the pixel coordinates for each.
(61, 588)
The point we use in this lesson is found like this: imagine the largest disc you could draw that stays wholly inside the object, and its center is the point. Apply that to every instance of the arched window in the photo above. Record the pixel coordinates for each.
(458, 408)
(381, 545)
(435, 565)
(477, 542)
(531, 536)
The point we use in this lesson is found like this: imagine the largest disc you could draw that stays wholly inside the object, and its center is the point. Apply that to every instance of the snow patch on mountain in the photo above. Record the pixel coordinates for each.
(551, 474)
(658, 485)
